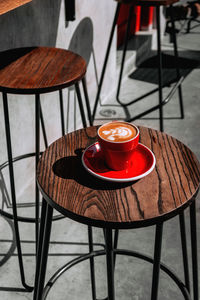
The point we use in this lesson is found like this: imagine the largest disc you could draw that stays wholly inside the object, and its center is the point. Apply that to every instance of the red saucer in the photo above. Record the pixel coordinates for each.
(143, 162)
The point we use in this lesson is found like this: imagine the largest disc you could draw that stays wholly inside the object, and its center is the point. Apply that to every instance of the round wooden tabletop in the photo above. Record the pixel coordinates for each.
(162, 194)
(39, 69)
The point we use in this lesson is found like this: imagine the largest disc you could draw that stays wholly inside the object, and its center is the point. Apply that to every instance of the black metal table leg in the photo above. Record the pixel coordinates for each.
(116, 236)
(193, 228)
(43, 248)
(92, 269)
(62, 112)
(37, 156)
(156, 264)
(124, 52)
(106, 60)
(43, 127)
(13, 193)
(87, 101)
(159, 67)
(177, 61)
(80, 102)
(184, 250)
(110, 264)
(40, 241)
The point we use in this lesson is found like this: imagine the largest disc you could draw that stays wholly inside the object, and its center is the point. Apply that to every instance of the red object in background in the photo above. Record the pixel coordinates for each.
(146, 18)
(122, 22)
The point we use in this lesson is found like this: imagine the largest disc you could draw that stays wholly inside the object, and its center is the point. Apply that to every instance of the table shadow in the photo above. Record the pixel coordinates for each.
(71, 167)
(147, 71)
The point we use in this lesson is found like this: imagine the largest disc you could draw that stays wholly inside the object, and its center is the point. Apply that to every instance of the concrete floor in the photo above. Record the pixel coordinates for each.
(132, 276)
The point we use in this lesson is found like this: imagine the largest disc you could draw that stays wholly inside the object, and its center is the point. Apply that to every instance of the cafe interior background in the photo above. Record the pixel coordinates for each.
(46, 23)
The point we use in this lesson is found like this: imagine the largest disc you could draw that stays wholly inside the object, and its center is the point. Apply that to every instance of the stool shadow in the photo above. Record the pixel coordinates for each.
(71, 167)
(147, 71)
(82, 39)
(82, 44)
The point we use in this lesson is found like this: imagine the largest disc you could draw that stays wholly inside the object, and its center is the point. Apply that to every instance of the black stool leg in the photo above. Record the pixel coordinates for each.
(184, 250)
(110, 264)
(13, 194)
(115, 243)
(156, 264)
(116, 235)
(159, 67)
(43, 127)
(62, 112)
(80, 102)
(43, 248)
(37, 156)
(177, 61)
(92, 270)
(188, 26)
(124, 51)
(87, 101)
(193, 228)
(106, 60)
(40, 241)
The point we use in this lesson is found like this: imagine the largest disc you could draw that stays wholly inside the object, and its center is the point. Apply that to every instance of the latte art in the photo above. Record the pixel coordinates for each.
(118, 133)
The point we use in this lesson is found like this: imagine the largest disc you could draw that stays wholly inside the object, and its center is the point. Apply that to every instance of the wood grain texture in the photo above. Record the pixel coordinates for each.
(68, 187)
(39, 70)
(8, 5)
(148, 2)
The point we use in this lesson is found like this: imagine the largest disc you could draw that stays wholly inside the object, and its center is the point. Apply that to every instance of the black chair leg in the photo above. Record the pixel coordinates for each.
(39, 249)
(193, 228)
(177, 62)
(43, 127)
(13, 193)
(80, 102)
(92, 269)
(159, 67)
(184, 250)
(105, 61)
(43, 249)
(124, 52)
(62, 112)
(87, 101)
(188, 26)
(156, 264)
(37, 156)
(110, 264)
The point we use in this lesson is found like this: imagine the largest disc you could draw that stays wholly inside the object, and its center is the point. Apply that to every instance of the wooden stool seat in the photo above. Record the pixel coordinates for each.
(148, 2)
(39, 70)
(158, 196)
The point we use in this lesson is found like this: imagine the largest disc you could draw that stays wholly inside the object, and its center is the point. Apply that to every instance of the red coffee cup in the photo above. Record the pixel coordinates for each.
(117, 141)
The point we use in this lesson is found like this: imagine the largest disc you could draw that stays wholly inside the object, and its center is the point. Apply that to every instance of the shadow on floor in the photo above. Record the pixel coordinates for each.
(147, 71)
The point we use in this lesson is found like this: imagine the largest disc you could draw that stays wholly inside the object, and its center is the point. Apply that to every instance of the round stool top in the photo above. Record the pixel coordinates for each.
(75, 193)
(39, 70)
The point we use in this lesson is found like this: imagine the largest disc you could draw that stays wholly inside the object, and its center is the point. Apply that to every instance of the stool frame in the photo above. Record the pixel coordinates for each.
(160, 85)
(111, 250)
(121, 205)
(38, 119)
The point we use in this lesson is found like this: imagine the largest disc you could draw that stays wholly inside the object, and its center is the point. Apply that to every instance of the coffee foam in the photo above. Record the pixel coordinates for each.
(117, 132)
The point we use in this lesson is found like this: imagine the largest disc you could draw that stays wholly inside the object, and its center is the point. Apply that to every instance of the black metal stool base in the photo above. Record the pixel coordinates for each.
(38, 120)
(161, 101)
(111, 251)
(97, 253)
